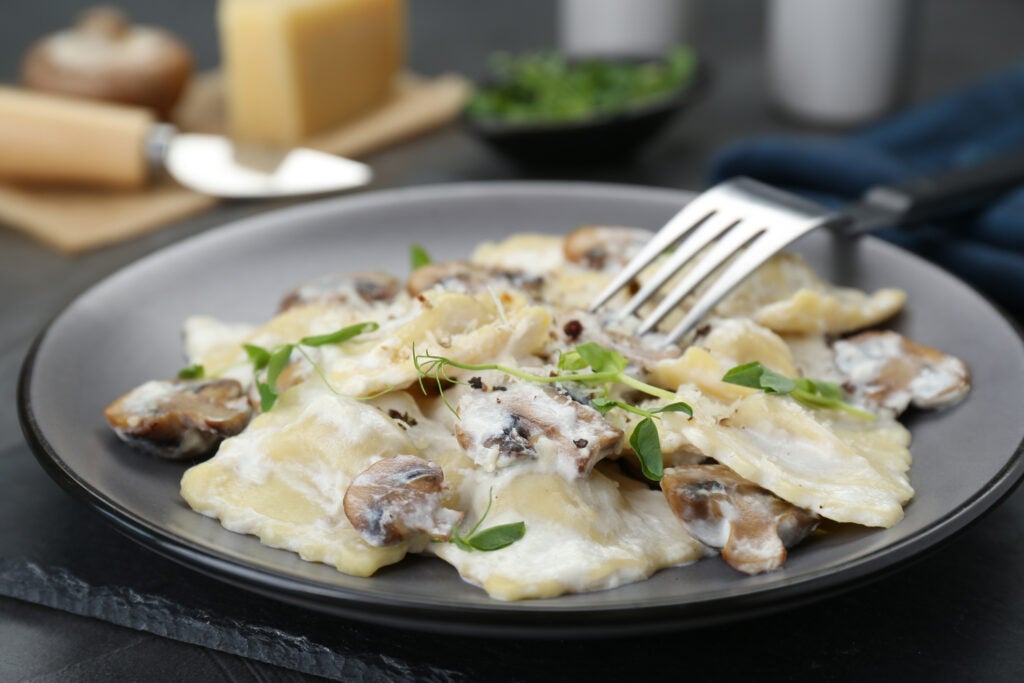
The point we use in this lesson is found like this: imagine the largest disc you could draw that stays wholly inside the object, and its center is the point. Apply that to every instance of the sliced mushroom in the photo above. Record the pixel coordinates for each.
(887, 370)
(366, 287)
(520, 422)
(469, 277)
(397, 497)
(752, 527)
(180, 419)
(603, 246)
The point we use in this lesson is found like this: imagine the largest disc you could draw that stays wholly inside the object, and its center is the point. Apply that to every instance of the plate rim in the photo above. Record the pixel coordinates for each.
(517, 618)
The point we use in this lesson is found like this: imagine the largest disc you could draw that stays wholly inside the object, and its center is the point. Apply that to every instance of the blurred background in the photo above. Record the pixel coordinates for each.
(954, 43)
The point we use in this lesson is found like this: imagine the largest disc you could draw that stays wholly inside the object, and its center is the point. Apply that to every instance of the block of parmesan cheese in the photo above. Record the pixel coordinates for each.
(297, 67)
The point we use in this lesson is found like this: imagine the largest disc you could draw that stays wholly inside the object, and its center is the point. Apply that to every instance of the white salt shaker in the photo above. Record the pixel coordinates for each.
(630, 28)
(839, 62)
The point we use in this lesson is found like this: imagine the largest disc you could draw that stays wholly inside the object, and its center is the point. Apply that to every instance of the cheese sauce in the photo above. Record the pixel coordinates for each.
(514, 450)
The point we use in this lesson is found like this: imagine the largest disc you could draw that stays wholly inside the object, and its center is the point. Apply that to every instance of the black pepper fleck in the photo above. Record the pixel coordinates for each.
(403, 417)
(573, 329)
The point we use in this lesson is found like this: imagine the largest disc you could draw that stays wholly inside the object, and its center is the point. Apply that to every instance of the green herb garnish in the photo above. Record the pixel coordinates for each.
(277, 358)
(491, 538)
(647, 445)
(606, 367)
(342, 335)
(194, 371)
(496, 537)
(812, 393)
(546, 87)
(418, 257)
(258, 356)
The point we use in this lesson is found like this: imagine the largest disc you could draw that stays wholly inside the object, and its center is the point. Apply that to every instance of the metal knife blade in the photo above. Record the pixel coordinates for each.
(62, 140)
(214, 165)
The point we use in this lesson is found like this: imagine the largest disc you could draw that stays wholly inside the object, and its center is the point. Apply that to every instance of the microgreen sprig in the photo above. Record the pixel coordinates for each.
(194, 371)
(276, 358)
(813, 393)
(491, 538)
(605, 367)
(644, 440)
(418, 256)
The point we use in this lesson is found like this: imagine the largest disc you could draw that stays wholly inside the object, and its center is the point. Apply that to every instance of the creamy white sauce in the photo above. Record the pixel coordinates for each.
(202, 333)
(147, 398)
(943, 382)
(617, 535)
(885, 369)
(558, 438)
(862, 363)
(587, 528)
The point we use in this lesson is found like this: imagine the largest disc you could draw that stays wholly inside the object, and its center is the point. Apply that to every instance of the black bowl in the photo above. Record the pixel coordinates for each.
(603, 138)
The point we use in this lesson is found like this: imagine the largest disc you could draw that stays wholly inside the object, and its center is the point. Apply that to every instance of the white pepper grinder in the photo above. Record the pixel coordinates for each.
(625, 28)
(839, 62)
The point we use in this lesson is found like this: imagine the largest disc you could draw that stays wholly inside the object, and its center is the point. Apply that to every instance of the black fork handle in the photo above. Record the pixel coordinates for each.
(939, 195)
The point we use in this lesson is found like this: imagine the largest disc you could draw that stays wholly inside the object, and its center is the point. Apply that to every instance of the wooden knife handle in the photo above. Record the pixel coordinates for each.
(54, 139)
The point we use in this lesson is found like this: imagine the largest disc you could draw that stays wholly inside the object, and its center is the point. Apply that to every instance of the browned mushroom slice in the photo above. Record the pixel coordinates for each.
(468, 277)
(887, 370)
(180, 419)
(397, 497)
(601, 246)
(368, 287)
(517, 422)
(750, 525)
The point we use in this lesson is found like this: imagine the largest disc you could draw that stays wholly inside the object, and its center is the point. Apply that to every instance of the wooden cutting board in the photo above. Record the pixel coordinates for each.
(74, 220)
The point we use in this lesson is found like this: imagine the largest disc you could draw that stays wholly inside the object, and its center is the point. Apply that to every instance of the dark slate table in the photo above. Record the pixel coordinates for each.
(80, 602)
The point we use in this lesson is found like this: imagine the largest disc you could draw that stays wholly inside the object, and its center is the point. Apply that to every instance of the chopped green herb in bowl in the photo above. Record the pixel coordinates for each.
(541, 108)
(546, 87)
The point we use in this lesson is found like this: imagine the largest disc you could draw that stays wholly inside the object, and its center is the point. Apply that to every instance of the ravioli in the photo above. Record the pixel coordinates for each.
(512, 441)
(582, 535)
(777, 444)
(468, 328)
(786, 295)
(283, 479)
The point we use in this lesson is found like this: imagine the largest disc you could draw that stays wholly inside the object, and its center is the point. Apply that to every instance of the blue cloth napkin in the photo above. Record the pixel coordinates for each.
(983, 121)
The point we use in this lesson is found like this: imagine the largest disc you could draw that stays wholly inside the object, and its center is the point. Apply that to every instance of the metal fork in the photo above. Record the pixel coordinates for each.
(748, 222)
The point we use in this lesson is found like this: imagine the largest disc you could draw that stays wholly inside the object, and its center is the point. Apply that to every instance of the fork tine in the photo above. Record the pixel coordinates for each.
(727, 245)
(711, 228)
(688, 218)
(770, 242)
(766, 220)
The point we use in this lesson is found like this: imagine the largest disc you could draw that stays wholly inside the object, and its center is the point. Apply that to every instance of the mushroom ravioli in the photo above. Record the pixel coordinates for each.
(478, 413)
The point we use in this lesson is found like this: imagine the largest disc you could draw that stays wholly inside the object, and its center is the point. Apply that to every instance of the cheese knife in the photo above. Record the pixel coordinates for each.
(61, 140)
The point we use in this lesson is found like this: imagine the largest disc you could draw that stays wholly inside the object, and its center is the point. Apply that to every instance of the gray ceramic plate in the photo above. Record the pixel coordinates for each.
(125, 330)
